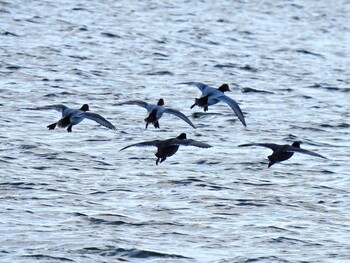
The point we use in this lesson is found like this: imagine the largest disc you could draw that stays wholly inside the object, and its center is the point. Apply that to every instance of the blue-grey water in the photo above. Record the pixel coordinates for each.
(73, 197)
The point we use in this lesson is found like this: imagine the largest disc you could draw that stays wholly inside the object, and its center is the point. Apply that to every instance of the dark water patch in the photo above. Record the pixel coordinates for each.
(21, 185)
(95, 220)
(248, 68)
(226, 65)
(135, 253)
(213, 187)
(324, 86)
(48, 258)
(98, 193)
(79, 57)
(258, 184)
(292, 241)
(307, 128)
(341, 125)
(204, 114)
(346, 90)
(110, 251)
(79, 9)
(207, 162)
(160, 54)
(250, 202)
(263, 259)
(13, 67)
(276, 229)
(7, 33)
(60, 94)
(210, 42)
(185, 181)
(110, 35)
(306, 52)
(159, 73)
(251, 90)
(102, 163)
(41, 168)
(4, 161)
(98, 140)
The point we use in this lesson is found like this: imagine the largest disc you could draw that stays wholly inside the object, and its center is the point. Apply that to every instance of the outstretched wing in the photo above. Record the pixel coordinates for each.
(180, 115)
(272, 146)
(199, 85)
(190, 142)
(58, 107)
(300, 150)
(143, 144)
(234, 106)
(99, 119)
(143, 104)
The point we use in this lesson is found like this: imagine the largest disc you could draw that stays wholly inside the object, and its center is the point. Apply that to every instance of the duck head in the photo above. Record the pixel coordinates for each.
(85, 107)
(224, 87)
(296, 144)
(182, 136)
(160, 102)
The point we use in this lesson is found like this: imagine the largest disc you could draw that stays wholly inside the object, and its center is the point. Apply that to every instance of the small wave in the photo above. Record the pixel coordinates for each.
(250, 90)
(291, 241)
(131, 253)
(13, 67)
(261, 259)
(250, 202)
(341, 125)
(306, 52)
(46, 257)
(204, 114)
(159, 73)
(113, 220)
(7, 33)
(110, 35)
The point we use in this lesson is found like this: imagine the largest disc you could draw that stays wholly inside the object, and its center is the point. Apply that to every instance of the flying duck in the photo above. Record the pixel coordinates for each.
(211, 96)
(167, 148)
(156, 111)
(71, 117)
(282, 152)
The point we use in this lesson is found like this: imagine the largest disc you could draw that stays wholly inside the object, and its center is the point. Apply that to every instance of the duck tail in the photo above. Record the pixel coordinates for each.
(272, 161)
(195, 103)
(52, 126)
(156, 124)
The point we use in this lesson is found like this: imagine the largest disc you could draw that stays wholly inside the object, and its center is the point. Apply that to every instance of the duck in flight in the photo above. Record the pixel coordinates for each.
(211, 96)
(167, 148)
(157, 111)
(71, 117)
(282, 152)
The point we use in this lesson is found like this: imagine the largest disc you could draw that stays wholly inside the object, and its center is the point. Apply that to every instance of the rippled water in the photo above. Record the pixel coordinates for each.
(75, 197)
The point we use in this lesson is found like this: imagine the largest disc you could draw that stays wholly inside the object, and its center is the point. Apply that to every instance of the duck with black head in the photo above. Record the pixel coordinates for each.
(71, 117)
(211, 96)
(168, 147)
(156, 111)
(282, 152)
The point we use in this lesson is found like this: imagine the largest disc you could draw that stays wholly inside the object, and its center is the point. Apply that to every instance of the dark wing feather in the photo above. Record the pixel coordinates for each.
(299, 150)
(190, 142)
(234, 106)
(58, 107)
(99, 119)
(180, 115)
(272, 146)
(199, 85)
(143, 144)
